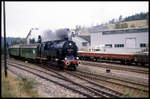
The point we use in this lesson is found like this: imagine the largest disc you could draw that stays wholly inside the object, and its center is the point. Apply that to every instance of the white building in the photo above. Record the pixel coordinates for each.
(81, 43)
(120, 40)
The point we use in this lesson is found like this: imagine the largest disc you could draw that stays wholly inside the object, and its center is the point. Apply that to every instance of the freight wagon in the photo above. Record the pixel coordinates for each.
(142, 58)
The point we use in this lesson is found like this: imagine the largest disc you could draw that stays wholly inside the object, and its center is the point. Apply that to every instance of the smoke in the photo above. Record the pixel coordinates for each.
(49, 35)
(62, 34)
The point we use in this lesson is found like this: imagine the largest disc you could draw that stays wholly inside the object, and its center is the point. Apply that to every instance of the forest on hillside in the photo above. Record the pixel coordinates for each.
(140, 16)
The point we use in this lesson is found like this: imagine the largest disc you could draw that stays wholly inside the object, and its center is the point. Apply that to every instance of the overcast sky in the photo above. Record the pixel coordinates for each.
(22, 16)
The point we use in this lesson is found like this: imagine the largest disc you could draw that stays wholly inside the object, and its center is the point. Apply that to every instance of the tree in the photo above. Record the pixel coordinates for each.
(22, 41)
(112, 21)
(140, 16)
(39, 39)
(147, 19)
(32, 41)
(14, 42)
(120, 18)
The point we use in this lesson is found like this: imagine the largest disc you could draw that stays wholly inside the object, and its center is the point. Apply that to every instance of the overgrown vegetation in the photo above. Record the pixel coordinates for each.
(121, 25)
(27, 85)
(122, 21)
(128, 95)
(6, 89)
(18, 87)
(133, 94)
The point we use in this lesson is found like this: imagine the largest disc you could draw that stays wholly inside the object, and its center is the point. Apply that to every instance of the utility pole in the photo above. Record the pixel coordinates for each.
(5, 50)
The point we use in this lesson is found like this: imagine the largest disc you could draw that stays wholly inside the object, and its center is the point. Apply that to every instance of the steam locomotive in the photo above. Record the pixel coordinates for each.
(61, 52)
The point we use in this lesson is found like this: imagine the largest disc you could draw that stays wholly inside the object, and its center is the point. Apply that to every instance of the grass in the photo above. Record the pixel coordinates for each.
(127, 95)
(28, 85)
(18, 87)
(134, 94)
(6, 89)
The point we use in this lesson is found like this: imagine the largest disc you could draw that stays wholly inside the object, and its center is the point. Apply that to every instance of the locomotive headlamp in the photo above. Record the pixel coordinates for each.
(77, 57)
(65, 58)
(70, 44)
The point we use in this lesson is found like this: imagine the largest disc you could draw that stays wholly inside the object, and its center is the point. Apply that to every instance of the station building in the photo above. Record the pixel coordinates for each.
(129, 40)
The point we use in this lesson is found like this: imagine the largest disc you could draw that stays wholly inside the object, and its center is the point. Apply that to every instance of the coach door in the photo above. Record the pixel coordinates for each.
(130, 43)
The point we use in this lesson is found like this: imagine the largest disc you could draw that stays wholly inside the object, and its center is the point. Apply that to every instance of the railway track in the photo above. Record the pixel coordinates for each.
(117, 67)
(121, 85)
(117, 81)
(92, 91)
(111, 93)
(100, 78)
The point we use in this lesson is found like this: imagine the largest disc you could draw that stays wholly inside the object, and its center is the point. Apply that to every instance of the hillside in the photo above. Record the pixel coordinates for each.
(136, 23)
(131, 24)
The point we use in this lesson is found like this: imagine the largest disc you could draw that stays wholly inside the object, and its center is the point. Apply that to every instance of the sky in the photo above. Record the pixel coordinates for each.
(22, 16)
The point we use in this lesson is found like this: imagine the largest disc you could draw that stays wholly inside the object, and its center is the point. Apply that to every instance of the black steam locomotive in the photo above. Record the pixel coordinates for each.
(61, 52)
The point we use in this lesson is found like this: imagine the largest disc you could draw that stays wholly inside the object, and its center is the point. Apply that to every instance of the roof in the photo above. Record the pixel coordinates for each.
(125, 30)
(85, 37)
(97, 28)
(15, 46)
(25, 46)
(29, 45)
(79, 39)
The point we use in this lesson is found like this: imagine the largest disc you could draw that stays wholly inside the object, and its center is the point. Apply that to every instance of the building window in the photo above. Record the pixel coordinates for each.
(84, 43)
(119, 45)
(108, 45)
(124, 31)
(142, 45)
(96, 49)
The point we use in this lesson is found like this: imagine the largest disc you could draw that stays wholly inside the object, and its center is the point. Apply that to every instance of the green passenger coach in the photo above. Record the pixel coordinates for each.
(14, 50)
(29, 51)
(24, 51)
